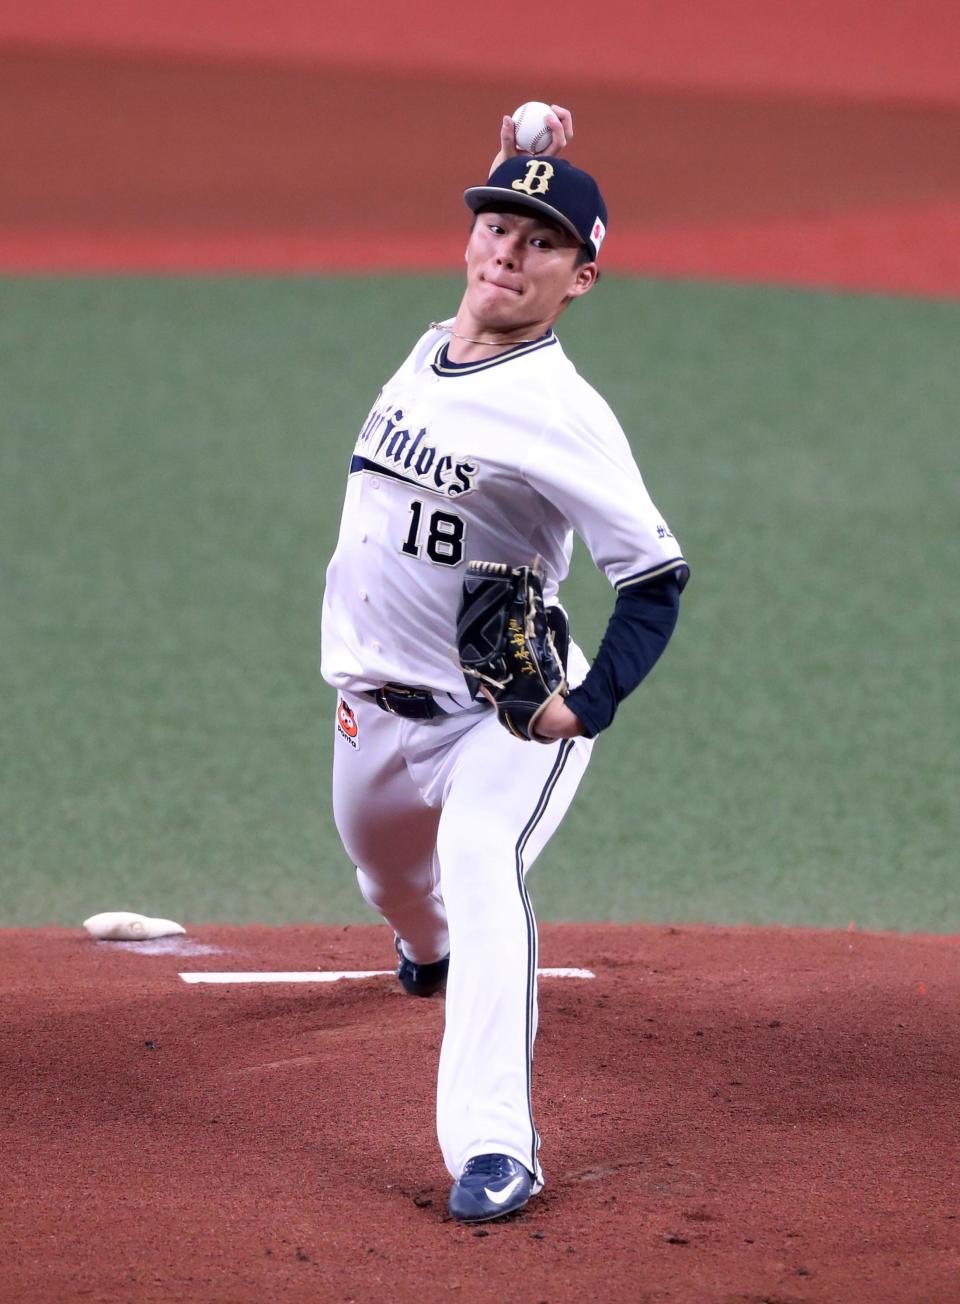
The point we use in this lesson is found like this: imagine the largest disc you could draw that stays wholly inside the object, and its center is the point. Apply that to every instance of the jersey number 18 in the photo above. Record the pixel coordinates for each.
(444, 541)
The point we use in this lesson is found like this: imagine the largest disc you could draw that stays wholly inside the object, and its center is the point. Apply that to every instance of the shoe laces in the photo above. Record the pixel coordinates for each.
(488, 1167)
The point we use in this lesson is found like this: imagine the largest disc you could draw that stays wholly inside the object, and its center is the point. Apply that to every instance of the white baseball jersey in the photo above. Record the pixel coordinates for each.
(491, 461)
(494, 461)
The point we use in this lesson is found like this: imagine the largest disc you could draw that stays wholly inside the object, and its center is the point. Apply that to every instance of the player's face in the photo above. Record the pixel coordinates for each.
(521, 272)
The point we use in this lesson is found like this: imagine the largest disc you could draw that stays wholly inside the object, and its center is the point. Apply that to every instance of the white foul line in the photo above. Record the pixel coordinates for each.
(335, 975)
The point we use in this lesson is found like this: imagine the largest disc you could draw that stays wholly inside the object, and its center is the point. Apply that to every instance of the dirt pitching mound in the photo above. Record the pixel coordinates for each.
(728, 1115)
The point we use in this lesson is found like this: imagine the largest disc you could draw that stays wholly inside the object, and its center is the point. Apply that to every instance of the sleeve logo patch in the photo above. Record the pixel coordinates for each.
(347, 726)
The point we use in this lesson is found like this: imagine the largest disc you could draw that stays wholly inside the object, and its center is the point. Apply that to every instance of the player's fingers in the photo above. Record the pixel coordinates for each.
(508, 142)
(560, 123)
(566, 118)
(558, 137)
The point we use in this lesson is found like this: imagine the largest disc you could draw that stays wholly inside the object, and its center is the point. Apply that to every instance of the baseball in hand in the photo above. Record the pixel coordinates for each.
(530, 121)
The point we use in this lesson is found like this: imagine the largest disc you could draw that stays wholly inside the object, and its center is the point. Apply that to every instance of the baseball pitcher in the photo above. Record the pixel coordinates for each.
(466, 715)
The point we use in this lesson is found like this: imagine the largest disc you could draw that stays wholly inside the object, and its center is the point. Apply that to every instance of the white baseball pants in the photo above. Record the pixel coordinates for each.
(443, 819)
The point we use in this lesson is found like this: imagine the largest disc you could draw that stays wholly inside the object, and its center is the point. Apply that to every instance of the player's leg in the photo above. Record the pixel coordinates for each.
(387, 829)
(503, 800)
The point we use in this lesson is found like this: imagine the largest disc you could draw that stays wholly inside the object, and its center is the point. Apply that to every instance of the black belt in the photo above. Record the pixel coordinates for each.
(411, 703)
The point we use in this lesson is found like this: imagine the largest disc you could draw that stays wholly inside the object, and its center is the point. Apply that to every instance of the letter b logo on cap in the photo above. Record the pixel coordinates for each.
(537, 180)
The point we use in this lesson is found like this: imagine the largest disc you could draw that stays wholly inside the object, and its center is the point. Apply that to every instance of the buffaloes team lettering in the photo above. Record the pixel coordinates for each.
(537, 180)
(387, 444)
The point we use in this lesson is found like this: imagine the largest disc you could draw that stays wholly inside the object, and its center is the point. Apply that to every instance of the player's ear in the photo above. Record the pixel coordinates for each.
(584, 279)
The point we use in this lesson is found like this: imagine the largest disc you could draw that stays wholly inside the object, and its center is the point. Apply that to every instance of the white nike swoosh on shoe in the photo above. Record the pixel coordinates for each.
(501, 1197)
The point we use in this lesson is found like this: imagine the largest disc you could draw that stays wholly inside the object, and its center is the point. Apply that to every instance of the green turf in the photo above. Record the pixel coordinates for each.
(172, 457)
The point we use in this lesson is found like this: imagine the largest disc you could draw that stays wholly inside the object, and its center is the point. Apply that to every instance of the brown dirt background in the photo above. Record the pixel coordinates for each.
(728, 1115)
(810, 143)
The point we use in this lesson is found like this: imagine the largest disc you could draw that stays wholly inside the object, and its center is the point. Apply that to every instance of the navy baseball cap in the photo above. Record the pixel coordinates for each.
(551, 186)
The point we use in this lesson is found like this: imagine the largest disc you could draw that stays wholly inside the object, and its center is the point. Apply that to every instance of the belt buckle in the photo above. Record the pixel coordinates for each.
(384, 703)
(418, 695)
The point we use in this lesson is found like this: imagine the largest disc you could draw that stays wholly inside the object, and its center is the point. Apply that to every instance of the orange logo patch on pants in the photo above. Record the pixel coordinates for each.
(347, 726)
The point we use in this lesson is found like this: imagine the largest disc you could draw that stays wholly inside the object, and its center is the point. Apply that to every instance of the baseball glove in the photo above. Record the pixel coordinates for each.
(508, 644)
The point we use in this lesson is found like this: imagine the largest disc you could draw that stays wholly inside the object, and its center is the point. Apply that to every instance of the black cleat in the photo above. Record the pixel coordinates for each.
(421, 979)
(490, 1186)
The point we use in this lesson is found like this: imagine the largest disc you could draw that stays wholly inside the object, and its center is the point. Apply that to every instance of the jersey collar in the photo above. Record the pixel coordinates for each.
(442, 365)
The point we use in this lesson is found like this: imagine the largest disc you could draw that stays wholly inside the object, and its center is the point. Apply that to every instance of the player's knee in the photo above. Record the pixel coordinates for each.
(473, 869)
(388, 895)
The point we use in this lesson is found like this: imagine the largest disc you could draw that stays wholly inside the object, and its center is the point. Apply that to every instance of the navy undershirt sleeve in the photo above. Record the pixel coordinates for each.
(637, 632)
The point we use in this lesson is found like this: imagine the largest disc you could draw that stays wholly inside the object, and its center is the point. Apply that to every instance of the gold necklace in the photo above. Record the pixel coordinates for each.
(490, 344)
